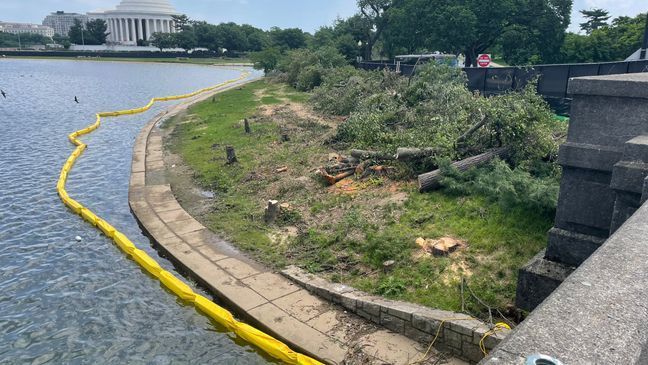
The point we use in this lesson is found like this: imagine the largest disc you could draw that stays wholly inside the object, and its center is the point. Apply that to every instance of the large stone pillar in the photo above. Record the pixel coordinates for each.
(155, 26)
(147, 23)
(604, 167)
(140, 32)
(122, 28)
(132, 31)
(115, 31)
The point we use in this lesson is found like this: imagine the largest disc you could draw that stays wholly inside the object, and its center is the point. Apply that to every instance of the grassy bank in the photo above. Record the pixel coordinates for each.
(195, 61)
(346, 231)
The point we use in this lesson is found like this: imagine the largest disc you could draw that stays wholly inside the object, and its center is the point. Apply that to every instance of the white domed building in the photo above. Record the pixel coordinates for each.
(137, 19)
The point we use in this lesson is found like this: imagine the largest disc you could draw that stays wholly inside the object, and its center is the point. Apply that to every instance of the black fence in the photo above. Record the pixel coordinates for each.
(552, 79)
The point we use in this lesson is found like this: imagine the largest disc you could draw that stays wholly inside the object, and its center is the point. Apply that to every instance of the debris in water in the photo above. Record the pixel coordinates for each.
(78, 238)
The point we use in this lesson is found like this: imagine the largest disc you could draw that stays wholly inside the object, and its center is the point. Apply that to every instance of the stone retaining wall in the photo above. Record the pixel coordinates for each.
(460, 334)
(598, 315)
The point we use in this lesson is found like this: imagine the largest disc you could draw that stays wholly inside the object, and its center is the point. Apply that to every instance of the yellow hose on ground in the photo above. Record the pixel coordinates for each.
(267, 343)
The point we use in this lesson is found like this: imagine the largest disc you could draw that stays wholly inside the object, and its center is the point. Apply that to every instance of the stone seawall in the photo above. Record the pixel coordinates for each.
(598, 315)
(456, 333)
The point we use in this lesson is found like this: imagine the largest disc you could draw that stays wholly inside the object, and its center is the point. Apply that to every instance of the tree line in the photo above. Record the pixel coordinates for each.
(519, 32)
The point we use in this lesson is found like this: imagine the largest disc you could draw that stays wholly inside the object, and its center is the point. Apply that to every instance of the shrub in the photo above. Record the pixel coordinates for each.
(304, 68)
(510, 187)
(434, 110)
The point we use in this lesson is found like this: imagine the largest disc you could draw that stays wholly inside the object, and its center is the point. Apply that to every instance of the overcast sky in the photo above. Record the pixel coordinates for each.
(306, 14)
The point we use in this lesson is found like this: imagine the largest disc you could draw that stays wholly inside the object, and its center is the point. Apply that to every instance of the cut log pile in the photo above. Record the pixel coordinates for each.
(340, 167)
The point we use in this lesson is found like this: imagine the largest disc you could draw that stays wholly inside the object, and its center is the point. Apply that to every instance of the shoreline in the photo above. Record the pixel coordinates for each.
(262, 297)
(170, 60)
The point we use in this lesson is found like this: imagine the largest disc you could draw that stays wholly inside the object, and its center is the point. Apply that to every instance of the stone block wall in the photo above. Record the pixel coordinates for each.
(458, 334)
(605, 163)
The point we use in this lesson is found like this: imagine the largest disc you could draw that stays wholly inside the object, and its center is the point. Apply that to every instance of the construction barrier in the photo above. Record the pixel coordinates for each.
(268, 344)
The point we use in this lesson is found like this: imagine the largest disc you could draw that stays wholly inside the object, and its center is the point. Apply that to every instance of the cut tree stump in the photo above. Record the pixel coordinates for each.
(246, 125)
(231, 155)
(432, 180)
(272, 211)
(284, 135)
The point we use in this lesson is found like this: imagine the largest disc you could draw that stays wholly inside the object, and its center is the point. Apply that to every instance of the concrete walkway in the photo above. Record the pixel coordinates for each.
(263, 298)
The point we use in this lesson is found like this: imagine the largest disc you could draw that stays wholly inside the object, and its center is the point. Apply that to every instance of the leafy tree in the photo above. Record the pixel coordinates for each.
(10, 40)
(614, 42)
(231, 37)
(467, 26)
(76, 33)
(162, 40)
(375, 13)
(290, 38)
(62, 40)
(185, 40)
(596, 18)
(98, 30)
(180, 22)
(536, 32)
(257, 39)
(266, 60)
(472, 27)
(93, 32)
(304, 68)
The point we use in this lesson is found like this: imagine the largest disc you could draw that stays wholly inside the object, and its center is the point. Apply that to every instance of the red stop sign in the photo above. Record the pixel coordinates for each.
(484, 60)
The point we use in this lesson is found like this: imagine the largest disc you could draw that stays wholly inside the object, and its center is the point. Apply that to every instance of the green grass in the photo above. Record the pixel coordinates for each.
(238, 213)
(348, 237)
(195, 61)
(499, 243)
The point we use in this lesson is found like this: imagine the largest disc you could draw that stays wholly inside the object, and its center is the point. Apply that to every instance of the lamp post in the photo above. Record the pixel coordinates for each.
(644, 47)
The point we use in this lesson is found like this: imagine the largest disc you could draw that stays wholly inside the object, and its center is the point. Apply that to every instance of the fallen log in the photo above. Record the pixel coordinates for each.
(332, 179)
(408, 154)
(431, 180)
(372, 155)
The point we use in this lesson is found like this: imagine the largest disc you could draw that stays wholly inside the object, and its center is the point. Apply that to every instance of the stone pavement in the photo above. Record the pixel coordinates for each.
(263, 298)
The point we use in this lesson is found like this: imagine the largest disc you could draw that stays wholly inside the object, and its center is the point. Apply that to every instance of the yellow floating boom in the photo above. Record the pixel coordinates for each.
(267, 343)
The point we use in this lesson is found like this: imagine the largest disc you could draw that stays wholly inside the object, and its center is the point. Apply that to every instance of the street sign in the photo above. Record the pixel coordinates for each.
(484, 60)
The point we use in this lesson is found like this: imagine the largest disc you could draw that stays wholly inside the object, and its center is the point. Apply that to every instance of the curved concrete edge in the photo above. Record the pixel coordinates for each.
(460, 334)
(264, 299)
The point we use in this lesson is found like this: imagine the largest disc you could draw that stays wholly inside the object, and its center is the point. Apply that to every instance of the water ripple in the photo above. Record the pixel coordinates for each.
(64, 301)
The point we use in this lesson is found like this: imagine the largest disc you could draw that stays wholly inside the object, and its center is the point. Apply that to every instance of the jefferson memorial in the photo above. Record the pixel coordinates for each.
(137, 19)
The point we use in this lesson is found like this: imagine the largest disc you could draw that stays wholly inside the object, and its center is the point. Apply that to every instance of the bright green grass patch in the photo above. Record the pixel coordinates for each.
(347, 237)
(499, 243)
(202, 145)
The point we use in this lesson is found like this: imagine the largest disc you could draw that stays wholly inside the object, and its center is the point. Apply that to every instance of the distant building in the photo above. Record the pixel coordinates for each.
(16, 28)
(61, 21)
(133, 20)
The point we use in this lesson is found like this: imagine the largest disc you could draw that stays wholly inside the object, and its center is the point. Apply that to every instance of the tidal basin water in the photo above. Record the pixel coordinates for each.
(69, 302)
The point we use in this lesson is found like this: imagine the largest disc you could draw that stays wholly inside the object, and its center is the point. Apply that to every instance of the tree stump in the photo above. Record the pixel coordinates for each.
(246, 124)
(231, 155)
(284, 135)
(272, 211)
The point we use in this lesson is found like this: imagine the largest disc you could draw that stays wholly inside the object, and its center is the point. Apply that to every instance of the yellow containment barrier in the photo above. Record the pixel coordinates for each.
(265, 342)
